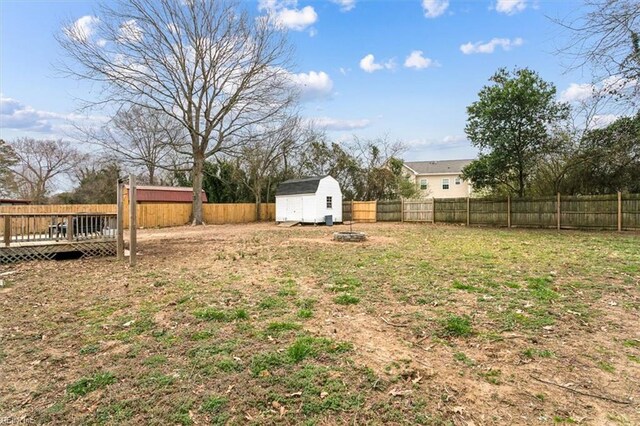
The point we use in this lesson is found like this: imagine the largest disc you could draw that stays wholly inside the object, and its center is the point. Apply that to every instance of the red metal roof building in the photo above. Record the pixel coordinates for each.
(164, 194)
(13, 202)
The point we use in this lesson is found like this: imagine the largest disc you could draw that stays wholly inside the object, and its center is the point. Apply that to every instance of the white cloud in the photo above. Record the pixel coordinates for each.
(345, 5)
(603, 120)
(454, 139)
(418, 61)
(490, 47)
(17, 116)
(511, 7)
(434, 8)
(337, 124)
(82, 29)
(345, 71)
(286, 15)
(130, 31)
(369, 64)
(313, 85)
(577, 92)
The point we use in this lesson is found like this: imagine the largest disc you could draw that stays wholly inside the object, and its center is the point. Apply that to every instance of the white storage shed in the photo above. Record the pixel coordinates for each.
(309, 200)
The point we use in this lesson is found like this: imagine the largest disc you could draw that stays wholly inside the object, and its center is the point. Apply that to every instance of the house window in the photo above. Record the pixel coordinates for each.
(423, 184)
(458, 180)
(445, 183)
(329, 203)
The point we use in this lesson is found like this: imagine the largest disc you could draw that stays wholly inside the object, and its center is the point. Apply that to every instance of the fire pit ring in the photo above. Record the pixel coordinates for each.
(350, 237)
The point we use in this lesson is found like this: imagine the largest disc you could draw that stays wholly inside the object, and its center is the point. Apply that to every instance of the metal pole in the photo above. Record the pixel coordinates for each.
(133, 223)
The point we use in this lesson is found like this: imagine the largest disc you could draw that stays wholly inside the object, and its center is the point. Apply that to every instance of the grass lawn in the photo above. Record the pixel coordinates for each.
(255, 324)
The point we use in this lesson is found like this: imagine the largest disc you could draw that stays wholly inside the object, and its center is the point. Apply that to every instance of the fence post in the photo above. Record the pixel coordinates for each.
(7, 231)
(433, 206)
(558, 211)
(508, 211)
(401, 209)
(133, 222)
(120, 222)
(619, 211)
(468, 211)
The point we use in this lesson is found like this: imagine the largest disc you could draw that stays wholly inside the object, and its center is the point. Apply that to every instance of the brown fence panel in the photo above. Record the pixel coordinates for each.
(389, 211)
(158, 215)
(631, 211)
(418, 210)
(364, 211)
(347, 215)
(600, 211)
(488, 211)
(451, 210)
(540, 212)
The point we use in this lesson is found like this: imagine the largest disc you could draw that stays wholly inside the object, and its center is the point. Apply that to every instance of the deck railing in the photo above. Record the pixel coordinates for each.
(43, 227)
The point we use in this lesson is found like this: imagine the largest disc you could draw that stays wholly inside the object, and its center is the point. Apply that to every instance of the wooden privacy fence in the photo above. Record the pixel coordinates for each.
(158, 215)
(617, 211)
(364, 211)
(417, 210)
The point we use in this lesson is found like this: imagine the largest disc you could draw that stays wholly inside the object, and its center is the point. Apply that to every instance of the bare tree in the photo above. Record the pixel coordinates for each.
(607, 36)
(209, 65)
(40, 163)
(7, 159)
(141, 138)
(264, 156)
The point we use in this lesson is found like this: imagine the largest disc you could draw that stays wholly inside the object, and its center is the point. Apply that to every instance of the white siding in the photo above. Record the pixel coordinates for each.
(435, 190)
(329, 187)
(311, 208)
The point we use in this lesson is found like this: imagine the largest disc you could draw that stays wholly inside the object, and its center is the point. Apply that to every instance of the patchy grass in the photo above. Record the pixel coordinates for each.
(255, 324)
(89, 384)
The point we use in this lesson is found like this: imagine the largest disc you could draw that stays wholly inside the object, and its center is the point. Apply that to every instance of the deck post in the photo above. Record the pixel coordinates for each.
(7, 231)
(70, 228)
(120, 222)
(133, 222)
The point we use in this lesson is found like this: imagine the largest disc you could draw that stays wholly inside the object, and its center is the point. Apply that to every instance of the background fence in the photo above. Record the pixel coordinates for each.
(158, 215)
(617, 211)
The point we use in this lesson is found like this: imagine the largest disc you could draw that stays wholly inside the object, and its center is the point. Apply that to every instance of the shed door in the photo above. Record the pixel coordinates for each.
(294, 208)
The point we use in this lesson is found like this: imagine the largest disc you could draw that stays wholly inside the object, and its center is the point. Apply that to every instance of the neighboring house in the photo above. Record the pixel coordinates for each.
(309, 200)
(439, 179)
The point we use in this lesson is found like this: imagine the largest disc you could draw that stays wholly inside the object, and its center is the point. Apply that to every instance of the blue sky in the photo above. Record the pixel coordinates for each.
(406, 69)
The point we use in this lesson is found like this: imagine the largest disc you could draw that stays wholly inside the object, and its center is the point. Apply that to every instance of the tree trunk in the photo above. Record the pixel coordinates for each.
(198, 167)
(258, 195)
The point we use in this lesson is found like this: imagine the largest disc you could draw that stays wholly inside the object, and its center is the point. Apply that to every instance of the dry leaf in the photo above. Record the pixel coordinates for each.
(417, 380)
(396, 392)
(276, 405)
(323, 394)
(265, 373)
(296, 394)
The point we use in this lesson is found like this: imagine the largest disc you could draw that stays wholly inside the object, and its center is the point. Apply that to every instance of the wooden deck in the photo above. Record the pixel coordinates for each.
(50, 250)
(40, 236)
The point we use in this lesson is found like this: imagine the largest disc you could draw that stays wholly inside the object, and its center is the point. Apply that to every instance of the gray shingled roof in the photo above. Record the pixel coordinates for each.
(299, 186)
(437, 167)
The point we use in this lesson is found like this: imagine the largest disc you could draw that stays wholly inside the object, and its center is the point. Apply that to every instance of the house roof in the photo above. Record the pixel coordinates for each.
(437, 167)
(14, 201)
(166, 194)
(299, 186)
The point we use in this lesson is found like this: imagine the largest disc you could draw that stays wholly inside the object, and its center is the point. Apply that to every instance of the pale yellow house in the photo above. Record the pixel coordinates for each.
(439, 179)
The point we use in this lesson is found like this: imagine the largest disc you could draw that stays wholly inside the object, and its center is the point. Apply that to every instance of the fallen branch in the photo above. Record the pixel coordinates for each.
(617, 401)
(392, 324)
